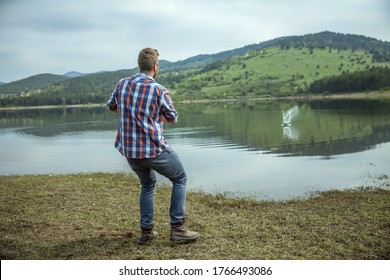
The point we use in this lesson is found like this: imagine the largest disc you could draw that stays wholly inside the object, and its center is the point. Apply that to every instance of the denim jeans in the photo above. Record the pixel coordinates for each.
(169, 165)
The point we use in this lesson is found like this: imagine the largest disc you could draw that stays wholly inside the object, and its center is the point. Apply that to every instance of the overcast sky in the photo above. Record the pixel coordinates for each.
(58, 36)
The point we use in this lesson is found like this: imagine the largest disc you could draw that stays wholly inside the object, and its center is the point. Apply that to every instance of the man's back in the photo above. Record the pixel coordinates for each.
(142, 104)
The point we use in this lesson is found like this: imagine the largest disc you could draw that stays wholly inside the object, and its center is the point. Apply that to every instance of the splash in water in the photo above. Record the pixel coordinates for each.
(289, 115)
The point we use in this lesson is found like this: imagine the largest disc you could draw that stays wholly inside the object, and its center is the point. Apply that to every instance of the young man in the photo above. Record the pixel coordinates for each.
(143, 106)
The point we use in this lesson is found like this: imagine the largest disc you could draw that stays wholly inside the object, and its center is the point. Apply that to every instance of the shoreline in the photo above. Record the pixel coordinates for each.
(382, 182)
(349, 96)
(87, 105)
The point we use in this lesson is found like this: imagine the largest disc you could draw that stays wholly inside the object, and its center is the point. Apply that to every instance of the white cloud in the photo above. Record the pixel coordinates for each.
(58, 36)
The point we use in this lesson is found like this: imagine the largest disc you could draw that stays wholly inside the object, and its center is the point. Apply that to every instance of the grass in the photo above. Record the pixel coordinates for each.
(95, 216)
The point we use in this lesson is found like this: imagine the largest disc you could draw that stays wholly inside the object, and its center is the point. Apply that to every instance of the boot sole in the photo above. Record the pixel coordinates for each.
(139, 242)
(184, 238)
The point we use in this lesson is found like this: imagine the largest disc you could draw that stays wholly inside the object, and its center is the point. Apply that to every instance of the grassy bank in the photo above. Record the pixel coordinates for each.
(95, 216)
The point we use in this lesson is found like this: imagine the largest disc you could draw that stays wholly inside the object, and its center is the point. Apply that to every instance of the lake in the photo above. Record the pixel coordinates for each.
(235, 148)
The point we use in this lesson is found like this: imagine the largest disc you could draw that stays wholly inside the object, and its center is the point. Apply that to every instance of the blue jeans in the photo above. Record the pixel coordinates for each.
(169, 165)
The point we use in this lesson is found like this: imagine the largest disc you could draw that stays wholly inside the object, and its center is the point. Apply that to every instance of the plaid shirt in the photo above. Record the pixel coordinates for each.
(142, 105)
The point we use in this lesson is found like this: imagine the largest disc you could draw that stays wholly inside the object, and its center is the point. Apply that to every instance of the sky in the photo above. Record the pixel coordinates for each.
(58, 36)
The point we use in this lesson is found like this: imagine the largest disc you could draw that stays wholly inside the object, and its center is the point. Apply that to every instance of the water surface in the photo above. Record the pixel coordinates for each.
(238, 148)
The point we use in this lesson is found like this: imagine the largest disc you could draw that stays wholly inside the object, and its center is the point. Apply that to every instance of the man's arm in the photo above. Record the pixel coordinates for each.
(168, 111)
(111, 103)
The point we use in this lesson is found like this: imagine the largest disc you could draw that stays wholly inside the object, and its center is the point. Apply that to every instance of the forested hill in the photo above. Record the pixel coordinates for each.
(279, 67)
(378, 49)
(338, 41)
(31, 83)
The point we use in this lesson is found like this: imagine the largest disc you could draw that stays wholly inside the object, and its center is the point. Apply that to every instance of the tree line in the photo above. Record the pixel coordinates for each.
(379, 50)
(374, 78)
(97, 90)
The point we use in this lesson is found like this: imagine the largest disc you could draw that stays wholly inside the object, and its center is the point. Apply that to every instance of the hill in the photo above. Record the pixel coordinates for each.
(31, 83)
(380, 50)
(279, 67)
(74, 74)
(271, 71)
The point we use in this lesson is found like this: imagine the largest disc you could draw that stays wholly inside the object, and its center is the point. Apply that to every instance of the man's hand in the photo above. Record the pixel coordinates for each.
(113, 109)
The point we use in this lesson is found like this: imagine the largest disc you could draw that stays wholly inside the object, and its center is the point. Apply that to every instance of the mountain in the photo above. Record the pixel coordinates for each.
(279, 67)
(74, 74)
(339, 41)
(1, 83)
(31, 83)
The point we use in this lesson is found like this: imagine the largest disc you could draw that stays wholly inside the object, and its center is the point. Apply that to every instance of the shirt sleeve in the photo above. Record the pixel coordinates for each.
(167, 109)
(112, 104)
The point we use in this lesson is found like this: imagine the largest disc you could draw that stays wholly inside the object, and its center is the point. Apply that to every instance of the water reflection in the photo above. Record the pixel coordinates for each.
(290, 133)
(309, 128)
(320, 128)
(226, 147)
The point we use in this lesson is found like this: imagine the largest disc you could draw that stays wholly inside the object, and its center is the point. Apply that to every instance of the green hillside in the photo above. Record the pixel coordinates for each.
(272, 71)
(284, 66)
(332, 40)
(31, 83)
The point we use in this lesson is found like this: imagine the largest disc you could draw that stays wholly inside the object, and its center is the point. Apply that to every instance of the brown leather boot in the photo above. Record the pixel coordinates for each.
(179, 232)
(147, 234)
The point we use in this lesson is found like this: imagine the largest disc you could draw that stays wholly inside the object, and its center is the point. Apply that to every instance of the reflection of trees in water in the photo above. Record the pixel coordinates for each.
(335, 147)
(52, 122)
(323, 128)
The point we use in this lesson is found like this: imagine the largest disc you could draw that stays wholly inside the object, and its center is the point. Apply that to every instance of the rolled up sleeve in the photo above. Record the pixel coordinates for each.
(167, 109)
(112, 104)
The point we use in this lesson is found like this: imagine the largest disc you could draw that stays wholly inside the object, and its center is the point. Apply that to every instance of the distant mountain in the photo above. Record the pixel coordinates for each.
(202, 60)
(31, 83)
(1, 83)
(74, 74)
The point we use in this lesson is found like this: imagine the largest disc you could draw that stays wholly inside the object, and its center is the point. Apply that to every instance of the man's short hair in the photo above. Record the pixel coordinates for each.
(147, 58)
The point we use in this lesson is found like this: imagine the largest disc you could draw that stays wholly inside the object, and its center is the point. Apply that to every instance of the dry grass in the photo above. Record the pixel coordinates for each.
(95, 216)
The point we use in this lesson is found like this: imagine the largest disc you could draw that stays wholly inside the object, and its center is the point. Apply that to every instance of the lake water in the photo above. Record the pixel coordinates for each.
(236, 148)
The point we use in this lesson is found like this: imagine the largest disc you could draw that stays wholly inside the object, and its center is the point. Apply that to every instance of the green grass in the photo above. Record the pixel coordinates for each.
(95, 216)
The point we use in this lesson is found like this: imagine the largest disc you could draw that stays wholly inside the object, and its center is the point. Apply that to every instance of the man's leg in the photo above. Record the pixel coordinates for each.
(169, 165)
(147, 179)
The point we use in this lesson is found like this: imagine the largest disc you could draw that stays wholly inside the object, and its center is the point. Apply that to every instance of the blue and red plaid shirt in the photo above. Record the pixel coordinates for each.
(142, 105)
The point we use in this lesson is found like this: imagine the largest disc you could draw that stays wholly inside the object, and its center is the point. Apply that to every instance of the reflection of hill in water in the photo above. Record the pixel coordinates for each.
(50, 130)
(322, 128)
(54, 122)
(339, 146)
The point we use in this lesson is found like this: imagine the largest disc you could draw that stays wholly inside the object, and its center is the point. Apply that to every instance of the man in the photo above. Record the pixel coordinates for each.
(143, 106)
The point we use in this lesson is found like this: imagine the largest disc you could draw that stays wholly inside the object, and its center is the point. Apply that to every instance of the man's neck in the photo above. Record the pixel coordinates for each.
(151, 73)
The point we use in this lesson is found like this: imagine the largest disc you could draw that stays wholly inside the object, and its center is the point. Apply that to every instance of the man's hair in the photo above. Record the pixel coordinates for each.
(147, 58)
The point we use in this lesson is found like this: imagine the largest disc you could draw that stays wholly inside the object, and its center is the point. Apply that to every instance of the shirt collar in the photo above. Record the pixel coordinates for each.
(143, 74)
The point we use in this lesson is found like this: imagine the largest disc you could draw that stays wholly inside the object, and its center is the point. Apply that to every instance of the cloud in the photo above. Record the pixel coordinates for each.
(59, 36)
